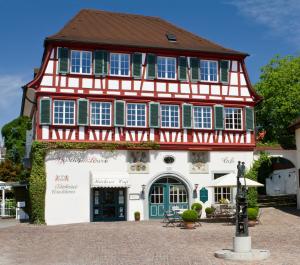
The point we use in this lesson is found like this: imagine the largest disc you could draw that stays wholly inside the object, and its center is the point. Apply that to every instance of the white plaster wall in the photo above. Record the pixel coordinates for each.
(281, 182)
(75, 207)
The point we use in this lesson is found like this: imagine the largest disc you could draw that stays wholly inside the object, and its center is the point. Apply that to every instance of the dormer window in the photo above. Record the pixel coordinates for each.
(81, 62)
(171, 37)
(166, 67)
(119, 64)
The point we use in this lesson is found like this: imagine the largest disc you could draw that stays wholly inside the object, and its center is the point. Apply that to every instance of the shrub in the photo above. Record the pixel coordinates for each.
(137, 215)
(196, 206)
(190, 216)
(209, 210)
(252, 213)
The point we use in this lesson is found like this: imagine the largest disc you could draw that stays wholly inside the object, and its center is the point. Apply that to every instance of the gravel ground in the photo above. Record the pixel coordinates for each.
(146, 242)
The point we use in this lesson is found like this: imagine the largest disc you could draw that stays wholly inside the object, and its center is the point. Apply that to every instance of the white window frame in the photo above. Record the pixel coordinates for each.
(110, 112)
(209, 61)
(119, 64)
(161, 120)
(166, 58)
(222, 194)
(80, 71)
(178, 192)
(136, 120)
(233, 129)
(64, 112)
(194, 121)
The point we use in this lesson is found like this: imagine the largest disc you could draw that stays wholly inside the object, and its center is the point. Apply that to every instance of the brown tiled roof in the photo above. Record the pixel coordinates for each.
(102, 27)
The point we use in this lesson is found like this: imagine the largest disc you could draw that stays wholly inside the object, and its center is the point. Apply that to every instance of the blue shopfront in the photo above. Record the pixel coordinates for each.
(166, 193)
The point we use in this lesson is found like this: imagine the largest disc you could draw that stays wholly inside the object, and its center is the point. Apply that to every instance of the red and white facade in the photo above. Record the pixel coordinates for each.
(223, 147)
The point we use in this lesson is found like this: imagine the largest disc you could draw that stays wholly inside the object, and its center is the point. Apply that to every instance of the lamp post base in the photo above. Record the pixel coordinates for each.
(242, 251)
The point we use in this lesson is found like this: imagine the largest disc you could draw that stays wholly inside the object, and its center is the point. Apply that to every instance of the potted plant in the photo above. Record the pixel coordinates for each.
(137, 216)
(252, 215)
(197, 207)
(209, 212)
(189, 217)
(224, 201)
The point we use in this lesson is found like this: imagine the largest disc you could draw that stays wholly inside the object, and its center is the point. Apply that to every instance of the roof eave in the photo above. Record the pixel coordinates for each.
(58, 40)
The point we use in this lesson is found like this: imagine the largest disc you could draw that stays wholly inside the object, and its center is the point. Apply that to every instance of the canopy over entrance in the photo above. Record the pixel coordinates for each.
(109, 180)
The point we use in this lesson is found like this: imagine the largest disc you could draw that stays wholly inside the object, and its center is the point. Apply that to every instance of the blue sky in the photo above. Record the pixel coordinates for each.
(262, 28)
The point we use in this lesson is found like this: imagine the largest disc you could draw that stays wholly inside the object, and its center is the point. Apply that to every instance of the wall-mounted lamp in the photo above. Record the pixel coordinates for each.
(195, 191)
(143, 192)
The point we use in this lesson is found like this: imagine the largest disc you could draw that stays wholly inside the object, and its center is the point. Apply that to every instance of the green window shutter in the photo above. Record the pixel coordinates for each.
(249, 120)
(45, 111)
(63, 60)
(100, 63)
(219, 117)
(182, 67)
(137, 65)
(119, 112)
(82, 112)
(154, 115)
(187, 116)
(151, 68)
(194, 69)
(224, 65)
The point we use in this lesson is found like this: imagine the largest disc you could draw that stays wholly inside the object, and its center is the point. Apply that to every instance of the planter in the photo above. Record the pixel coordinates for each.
(251, 223)
(189, 225)
(137, 216)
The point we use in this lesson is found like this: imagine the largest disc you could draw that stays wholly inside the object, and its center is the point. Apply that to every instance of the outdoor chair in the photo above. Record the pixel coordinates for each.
(169, 218)
(258, 220)
(197, 223)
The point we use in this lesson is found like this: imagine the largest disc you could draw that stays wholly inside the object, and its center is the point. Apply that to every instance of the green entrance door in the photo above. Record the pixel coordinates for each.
(165, 194)
(108, 204)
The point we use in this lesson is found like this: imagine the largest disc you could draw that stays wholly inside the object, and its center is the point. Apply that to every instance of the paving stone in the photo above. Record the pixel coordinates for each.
(145, 243)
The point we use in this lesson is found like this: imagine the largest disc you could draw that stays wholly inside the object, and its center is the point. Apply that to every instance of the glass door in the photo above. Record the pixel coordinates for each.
(157, 201)
(108, 204)
(164, 197)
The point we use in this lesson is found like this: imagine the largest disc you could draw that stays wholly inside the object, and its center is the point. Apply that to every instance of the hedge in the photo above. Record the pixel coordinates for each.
(37, 180)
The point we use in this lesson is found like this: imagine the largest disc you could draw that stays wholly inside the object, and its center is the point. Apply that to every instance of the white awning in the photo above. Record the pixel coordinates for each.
(109, 179)
(229, 180)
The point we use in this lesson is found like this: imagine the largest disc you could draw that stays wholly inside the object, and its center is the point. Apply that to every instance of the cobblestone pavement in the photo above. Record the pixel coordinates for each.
(139, 243)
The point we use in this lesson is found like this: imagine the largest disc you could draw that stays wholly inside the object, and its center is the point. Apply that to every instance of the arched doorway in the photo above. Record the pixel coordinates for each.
(165, 193)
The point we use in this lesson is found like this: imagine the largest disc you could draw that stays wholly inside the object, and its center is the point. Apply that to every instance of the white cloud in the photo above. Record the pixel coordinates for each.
(10, 89)
(282, 17)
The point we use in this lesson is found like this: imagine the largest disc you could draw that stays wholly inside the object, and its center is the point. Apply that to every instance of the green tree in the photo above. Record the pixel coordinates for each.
(14, 134)
(280, 87)
(12, 172)
(259, 171)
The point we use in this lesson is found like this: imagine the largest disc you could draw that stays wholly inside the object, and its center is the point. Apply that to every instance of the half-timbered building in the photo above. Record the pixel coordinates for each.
(120, 78)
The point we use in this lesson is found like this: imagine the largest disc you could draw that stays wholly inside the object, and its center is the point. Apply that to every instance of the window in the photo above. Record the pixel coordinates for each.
(119, 64)
(202, 117)
(209, 71)
(166, 67)
(233, 118)
(64, 112)
(81, 62)
(157, 195)
(169, 116)
(178, 194)
(222, 192)
(136, 115)
(100, 113)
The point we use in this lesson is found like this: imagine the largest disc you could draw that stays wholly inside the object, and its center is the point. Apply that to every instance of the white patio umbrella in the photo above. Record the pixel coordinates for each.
(229, 180)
